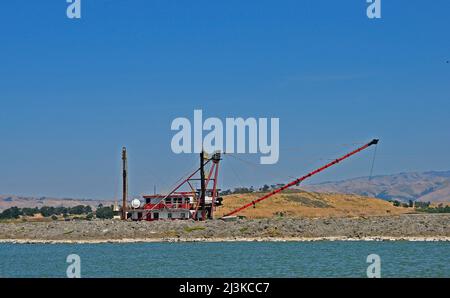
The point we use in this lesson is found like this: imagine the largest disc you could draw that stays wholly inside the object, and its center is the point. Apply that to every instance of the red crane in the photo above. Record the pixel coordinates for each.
(299, 180)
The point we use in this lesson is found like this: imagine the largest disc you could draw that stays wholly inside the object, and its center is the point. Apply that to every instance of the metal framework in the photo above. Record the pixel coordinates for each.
(199, 195)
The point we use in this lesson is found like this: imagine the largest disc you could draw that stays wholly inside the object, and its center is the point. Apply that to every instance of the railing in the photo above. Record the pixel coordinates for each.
(170, 206)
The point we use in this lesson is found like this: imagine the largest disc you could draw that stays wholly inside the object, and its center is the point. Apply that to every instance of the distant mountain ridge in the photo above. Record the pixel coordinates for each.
(433, 186)
(7, 201)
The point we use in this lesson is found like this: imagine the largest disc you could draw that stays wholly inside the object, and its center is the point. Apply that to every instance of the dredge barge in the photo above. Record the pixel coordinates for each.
(197, 204)
(200, 203)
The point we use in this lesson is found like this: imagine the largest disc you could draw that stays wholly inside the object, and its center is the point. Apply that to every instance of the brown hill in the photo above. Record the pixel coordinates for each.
(424, 186)
(297, 203)
(7, 201)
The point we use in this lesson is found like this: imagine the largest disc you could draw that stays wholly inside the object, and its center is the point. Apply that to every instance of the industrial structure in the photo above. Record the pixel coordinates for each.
(193, 203)
(200, 203)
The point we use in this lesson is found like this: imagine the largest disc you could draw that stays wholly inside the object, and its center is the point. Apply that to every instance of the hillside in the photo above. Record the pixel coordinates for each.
(425, 186)
(7, 201)
(297, 203)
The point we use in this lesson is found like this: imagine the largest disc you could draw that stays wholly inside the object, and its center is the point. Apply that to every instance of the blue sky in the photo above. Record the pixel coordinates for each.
(72, 92)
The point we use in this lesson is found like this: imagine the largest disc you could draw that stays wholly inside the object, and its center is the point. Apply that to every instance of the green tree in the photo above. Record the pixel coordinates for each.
(30, 211)
(226, 192)
(242, 190)
(61, 210)
(104, 212)
(47, 211)
(11, 213)
(79, 209)
(87, 209)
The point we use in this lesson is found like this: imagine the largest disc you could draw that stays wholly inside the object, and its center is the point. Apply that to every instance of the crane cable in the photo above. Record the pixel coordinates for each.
(234, 172)
(373, 162)
(254, 165)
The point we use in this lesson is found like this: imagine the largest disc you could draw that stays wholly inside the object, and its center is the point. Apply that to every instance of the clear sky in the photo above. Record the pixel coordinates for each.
(72, 92)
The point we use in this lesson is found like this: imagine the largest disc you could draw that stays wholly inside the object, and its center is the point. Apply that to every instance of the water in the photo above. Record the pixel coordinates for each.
(230, 259)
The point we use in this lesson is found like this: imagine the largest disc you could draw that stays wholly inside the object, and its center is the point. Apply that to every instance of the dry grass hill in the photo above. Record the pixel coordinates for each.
(424, 186)
(297, 203)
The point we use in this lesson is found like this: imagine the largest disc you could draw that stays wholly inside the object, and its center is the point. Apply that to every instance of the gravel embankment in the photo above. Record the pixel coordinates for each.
(427, 226)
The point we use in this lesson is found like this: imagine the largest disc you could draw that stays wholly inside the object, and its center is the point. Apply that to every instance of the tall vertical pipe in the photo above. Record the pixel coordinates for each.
(202, 183)
(124, 183)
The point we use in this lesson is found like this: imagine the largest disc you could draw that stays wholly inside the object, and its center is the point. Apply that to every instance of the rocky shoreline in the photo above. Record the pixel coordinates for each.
(269, 239)
(407, 227)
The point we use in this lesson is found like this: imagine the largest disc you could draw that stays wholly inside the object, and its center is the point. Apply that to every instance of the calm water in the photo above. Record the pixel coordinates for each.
(313, 259)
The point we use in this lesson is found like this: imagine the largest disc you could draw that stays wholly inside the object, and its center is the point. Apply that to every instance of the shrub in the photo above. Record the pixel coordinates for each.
(191, 229)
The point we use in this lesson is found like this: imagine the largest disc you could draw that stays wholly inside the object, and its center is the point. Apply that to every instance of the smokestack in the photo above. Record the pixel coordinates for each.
(124, 183)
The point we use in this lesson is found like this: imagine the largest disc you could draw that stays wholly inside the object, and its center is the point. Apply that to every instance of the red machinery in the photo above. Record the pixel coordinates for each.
(198, 204)
(299, 180)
